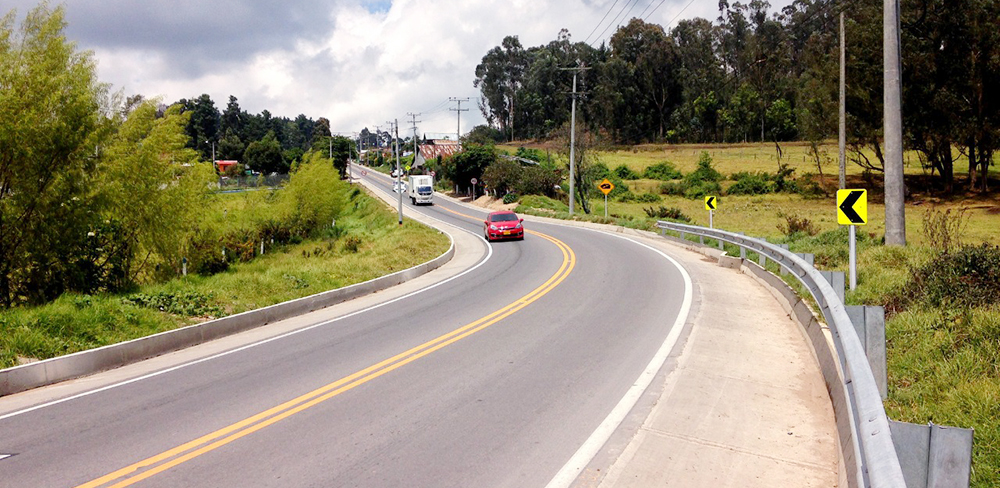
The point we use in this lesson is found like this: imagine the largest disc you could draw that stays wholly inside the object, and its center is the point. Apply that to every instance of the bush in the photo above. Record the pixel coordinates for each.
(352, 243)
(796, 225)
(649, 198)
(627, 197)
(189, 304)
(702, 189)
(704, 172)
(672, 213)
(625, 173)
(750, 184)
(967, 277)
(671, 188)
(510, 198)
(662, 171)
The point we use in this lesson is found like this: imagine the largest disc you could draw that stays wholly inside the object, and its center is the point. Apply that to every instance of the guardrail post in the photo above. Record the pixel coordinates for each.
(781, 268)
(743, 250)
(837, 281)
(933, 455)
(701, 240)
(869, 322)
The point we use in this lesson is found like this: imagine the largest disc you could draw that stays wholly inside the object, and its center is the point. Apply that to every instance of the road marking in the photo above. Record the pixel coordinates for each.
(190, 450)
(576, 464)
(489, 255)
(5, 456)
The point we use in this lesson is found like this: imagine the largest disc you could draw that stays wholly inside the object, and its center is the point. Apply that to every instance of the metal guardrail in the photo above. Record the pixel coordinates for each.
(871, 440)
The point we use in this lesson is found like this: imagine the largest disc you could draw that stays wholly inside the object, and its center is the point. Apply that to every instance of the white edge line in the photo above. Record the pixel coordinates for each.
(576, 464)
(5, 456)
(489, 255)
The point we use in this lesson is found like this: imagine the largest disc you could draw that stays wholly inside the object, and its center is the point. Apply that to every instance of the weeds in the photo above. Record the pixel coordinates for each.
(944, 230)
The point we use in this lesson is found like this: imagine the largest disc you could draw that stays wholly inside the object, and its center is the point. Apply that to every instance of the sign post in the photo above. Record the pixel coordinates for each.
(711, 203)
(606, 187)
(852, 210)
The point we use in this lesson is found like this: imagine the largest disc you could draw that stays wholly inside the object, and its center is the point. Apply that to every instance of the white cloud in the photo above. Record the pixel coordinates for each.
(357, 62)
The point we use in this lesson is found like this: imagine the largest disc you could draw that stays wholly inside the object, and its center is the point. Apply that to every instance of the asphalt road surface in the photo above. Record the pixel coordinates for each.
(495, 378)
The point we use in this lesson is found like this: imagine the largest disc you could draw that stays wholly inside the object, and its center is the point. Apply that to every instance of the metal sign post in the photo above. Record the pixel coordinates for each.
(852, 210)
(606, 187)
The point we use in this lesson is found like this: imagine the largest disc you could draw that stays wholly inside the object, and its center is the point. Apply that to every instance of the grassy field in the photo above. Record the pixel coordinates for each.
(944, 361)
(366, 243)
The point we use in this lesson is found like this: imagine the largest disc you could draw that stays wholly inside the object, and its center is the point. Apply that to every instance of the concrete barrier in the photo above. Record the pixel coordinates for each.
(49, 371)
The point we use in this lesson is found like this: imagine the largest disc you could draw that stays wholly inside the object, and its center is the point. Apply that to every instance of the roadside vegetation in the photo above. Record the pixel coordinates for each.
(105, 203)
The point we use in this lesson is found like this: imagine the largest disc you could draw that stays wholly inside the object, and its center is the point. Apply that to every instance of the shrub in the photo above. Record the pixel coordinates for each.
(625, 173)
(672, 188)
(510, 198)
(967, 277)
(704, 172)
(943, 230)
(189, 304)
(750, 184)
(662, 171)
(702, 189)
(795, 225)
(627, 197)
(649, 198)
(352, 243)
(672, 213)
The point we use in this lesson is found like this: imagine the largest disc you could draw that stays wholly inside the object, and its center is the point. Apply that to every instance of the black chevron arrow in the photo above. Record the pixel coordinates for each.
(848, 207)
(711, 203)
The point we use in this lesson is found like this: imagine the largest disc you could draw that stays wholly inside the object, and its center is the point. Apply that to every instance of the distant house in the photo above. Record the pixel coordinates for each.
(433, 149)
(223, 165)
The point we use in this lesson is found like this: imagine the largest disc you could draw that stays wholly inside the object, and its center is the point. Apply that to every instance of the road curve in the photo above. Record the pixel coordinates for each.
(495, 378)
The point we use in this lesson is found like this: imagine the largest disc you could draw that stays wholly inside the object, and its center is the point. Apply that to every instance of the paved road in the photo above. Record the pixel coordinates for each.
(494, 378)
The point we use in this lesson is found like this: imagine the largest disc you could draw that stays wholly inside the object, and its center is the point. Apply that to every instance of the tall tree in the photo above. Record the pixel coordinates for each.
(50, 105)
(499, 76)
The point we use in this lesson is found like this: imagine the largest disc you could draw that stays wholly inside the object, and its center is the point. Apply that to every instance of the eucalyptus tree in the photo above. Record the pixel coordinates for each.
(499, 77)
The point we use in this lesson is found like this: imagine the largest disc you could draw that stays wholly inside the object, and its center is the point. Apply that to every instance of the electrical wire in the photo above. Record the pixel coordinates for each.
(602, 20)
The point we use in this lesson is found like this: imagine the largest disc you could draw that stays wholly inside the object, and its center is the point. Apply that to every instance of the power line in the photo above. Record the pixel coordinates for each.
(613, 22)
(602, 20)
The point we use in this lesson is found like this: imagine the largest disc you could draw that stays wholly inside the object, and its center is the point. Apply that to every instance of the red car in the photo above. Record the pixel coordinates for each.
(503, 224)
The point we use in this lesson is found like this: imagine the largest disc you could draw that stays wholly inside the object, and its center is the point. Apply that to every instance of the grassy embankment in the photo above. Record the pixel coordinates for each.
(365, 243)
(943, 358)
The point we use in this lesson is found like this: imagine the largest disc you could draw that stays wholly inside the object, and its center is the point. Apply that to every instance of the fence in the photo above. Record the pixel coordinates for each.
(869, 450)
(251, 181)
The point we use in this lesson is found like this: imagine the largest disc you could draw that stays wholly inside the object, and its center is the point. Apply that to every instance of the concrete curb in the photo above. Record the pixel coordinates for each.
(83, 363)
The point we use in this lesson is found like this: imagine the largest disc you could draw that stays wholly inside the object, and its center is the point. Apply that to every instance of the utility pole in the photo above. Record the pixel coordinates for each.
(895, 213)
(413, 117)
(459, 110)
(572, 137)
(399, 172)
(842, 131)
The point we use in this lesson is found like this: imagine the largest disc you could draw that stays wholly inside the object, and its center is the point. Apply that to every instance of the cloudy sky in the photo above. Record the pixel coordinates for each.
(358, 63)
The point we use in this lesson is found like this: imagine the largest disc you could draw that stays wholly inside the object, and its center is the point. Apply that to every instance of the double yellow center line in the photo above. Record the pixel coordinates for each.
(190, 450)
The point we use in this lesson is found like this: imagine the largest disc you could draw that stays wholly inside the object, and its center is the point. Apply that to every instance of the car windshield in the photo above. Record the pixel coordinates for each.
(504, 217)
(424, 190)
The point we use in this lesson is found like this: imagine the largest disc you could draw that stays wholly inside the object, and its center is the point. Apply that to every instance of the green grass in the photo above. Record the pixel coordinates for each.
(79, 322)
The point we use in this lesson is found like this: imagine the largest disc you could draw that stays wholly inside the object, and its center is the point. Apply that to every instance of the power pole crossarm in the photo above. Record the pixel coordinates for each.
(458, 133)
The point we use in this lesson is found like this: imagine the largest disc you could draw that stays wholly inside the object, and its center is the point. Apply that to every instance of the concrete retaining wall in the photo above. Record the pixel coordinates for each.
(49, 371)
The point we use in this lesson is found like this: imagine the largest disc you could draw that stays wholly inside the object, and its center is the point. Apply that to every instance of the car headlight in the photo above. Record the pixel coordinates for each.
(517, 226)
(493, 227)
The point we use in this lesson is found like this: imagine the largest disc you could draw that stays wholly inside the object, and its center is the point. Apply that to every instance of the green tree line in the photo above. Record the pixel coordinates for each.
(751, 75)
(99, 192)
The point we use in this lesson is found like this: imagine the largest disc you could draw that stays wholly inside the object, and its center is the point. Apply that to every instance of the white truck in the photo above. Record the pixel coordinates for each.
(421, 189)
